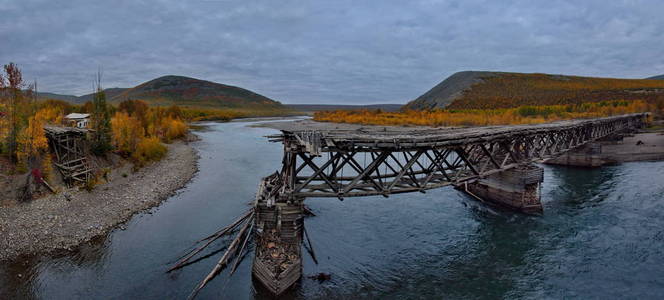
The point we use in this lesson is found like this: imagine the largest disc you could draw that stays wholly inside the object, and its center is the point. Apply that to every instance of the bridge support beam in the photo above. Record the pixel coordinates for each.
(517, 188)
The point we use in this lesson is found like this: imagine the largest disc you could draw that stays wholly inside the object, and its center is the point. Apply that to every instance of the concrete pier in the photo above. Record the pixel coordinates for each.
(517, 188)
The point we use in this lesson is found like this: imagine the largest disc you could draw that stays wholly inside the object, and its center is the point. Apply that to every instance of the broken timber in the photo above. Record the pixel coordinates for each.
(68, 144)
(366, 162)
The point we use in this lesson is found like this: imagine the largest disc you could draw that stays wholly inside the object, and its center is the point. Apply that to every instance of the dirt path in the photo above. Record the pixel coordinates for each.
(70, 218)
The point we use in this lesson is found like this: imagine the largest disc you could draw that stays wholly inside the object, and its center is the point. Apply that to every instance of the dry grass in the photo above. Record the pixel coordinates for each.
(476, 117)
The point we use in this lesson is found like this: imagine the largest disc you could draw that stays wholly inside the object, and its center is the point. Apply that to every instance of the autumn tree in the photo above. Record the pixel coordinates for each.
(12, 85)
(87, 107)
(127, 133)
(136, 109)
(32, 145)
(101, 123)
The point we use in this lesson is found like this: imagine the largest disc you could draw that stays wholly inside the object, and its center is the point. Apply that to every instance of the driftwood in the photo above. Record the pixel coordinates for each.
(182, 262)
(48, 186)
(244, 216)
(240, 254)
(224, 259)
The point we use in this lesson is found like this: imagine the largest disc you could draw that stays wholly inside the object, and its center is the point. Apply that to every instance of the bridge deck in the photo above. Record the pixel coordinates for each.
(419, 136)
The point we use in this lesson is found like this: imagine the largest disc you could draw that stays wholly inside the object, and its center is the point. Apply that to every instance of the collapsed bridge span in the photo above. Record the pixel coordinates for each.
(322, 161)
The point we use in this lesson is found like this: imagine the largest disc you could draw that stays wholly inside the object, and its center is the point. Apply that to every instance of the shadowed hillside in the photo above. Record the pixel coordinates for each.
(449, 89)
(490, 90)
(660, 77)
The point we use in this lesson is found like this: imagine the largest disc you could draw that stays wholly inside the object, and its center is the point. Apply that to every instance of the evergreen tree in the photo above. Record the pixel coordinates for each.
(101, 121)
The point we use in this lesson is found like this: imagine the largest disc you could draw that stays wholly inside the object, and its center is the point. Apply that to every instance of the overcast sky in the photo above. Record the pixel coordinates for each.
(346, 52)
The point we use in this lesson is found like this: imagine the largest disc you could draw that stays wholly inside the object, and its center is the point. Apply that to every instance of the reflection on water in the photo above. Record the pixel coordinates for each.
(601, 237)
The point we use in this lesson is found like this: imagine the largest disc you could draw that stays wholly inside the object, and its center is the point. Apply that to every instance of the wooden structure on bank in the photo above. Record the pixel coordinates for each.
(68, 144)
(372, 161)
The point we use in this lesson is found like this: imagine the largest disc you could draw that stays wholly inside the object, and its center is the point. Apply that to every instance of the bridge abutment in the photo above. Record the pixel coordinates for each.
(517, 188)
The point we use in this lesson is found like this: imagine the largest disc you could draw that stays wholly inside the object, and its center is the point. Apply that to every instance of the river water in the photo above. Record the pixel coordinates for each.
(601, 237)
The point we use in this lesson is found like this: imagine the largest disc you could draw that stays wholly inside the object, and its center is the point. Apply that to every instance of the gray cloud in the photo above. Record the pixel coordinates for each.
(326, 51)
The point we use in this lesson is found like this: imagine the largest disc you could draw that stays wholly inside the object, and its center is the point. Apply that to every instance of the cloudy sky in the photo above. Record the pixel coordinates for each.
(340, 51)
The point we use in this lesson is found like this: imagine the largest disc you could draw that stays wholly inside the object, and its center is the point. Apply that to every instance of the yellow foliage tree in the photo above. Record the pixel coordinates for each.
(32, 143)
(127, 132)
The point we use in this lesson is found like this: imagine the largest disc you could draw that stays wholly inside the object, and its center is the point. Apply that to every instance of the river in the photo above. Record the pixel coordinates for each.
(601, 236)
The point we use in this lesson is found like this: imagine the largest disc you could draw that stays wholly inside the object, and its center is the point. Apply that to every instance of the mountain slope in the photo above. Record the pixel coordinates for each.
(68, 98)
(660, 77)
(110, 94)
(488, 90)
(188, 91)
(449, 89)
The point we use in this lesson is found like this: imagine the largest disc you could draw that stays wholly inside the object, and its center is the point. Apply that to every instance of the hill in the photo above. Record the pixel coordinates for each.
(68, 98)
(489, 90)
(660, 77)
(110, 94)
(448, 90)
(186, 91)
(183, 91)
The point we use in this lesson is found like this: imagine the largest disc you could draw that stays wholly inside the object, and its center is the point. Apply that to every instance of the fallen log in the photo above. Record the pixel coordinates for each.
(48, 186)
(224, 259)
(240, 255)
(210, 239)
(244, 216)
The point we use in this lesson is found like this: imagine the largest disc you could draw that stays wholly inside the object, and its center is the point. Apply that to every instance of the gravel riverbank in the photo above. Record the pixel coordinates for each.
(70, 218)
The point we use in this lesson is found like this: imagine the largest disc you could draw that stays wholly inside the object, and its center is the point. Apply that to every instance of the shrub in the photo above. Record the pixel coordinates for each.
(149, 149)
(174, 129)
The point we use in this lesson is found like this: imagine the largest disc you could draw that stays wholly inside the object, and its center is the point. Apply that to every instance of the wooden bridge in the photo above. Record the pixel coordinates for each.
(490, 163)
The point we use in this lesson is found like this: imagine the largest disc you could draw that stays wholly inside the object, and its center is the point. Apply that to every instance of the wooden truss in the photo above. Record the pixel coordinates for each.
(68, 144)
(345, 164)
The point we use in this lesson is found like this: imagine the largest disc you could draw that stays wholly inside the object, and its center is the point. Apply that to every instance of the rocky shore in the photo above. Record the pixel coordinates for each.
(72, 217)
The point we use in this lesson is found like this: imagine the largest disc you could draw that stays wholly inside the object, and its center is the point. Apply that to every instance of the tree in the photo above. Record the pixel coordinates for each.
(32, 142)
(127, 132)
(101, 121)
(13, 86)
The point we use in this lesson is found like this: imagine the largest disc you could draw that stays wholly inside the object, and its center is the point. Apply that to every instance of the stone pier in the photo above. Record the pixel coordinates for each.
(517, 188)
(588, 155)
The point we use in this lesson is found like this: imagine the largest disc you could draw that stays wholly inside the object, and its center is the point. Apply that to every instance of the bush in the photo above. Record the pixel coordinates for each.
(149, 149)
(174, 129)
